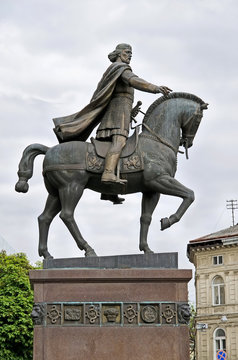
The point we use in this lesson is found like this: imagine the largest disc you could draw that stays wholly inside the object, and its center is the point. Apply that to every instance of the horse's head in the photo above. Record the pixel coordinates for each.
(169, 115)
(190, 125)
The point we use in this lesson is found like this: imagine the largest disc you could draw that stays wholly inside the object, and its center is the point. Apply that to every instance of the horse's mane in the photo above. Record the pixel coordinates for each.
(173, 95)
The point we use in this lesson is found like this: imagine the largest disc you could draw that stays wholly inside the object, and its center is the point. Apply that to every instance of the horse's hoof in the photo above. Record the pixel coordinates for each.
(165, 223)
(46, 255)
(90, 253)
(147, 250)
(22, 186)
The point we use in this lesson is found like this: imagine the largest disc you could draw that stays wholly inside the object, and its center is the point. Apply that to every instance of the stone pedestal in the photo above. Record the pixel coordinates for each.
(103, 313)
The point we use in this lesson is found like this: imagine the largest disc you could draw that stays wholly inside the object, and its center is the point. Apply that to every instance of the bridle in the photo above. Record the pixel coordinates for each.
(192, 123)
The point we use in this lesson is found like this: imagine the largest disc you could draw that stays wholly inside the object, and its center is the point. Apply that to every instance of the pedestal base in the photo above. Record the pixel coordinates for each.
(102, 314)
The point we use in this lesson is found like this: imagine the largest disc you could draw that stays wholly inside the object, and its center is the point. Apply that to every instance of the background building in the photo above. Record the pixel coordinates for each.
(215, 258)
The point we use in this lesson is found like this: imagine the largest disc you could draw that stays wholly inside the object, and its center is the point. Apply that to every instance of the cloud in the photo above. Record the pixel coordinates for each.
(53, 55)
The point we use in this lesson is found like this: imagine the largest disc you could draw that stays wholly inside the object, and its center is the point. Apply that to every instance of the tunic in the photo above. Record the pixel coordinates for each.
(117, 117)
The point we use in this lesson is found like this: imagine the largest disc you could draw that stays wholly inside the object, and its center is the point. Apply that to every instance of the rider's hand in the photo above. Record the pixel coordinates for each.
(164, 90)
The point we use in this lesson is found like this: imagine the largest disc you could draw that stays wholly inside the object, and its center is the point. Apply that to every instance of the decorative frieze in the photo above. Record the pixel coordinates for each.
(130, 313)
(169, 314)
(73, 313)
(111, 314)
(184, 314)
(38, 313)
(54, 314)
(92, 314)
(150, 314)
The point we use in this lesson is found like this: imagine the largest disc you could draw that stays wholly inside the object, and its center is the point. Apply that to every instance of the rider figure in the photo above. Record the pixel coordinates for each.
(116, 120)
(110, 106)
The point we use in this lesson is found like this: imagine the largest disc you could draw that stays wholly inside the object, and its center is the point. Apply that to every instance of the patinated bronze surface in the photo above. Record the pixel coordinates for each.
(66, 172)
(145, 261)
(111, 105)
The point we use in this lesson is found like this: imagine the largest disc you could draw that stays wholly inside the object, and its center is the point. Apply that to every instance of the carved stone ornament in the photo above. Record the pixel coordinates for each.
(133, 163)
(92, 314)
(149, 314)
(94, 163)
(38, 313)
(116, 313)
(72, 314)
(54, 314)
(130, 313)
(184, 313)
(111, 314)
(168, 314)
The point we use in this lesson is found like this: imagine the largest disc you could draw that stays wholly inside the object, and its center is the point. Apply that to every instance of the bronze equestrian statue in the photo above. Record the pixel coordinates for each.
(147, 163)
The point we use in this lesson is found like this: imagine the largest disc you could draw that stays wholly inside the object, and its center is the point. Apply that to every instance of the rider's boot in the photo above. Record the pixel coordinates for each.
(115, 199)
(111, 162)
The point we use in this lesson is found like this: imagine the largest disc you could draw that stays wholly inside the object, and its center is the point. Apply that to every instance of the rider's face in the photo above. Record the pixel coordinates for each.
(125, 56)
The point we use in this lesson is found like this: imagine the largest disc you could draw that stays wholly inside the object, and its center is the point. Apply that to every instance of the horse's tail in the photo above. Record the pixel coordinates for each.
(25, 171)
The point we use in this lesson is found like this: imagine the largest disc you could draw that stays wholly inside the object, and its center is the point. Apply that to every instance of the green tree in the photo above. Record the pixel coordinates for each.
(16, 301)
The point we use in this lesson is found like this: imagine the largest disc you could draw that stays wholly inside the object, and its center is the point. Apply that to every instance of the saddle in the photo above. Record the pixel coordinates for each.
(130, 160)
(102, 147)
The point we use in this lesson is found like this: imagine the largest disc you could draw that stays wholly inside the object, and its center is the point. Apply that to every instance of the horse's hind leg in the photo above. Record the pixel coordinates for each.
(52, 208)
(69, 198)
(149, 202)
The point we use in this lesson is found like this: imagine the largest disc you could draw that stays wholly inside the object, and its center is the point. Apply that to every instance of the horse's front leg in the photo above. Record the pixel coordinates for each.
(149, 202)
(170, 186)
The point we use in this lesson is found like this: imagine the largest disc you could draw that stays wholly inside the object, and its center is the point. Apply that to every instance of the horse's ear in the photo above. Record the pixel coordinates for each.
(204, 106)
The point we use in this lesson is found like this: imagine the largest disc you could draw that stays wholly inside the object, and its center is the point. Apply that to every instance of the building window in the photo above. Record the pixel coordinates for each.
(217, 260)
(219, 341)
(218, 289)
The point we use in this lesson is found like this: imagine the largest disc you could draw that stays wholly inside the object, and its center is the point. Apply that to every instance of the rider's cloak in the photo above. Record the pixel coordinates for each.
(79, 126)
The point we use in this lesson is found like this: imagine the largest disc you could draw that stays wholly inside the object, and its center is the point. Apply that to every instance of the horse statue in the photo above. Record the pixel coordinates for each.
(70, 167)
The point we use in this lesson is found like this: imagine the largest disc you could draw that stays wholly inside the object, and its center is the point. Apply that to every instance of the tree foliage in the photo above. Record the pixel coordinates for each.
(16, 301)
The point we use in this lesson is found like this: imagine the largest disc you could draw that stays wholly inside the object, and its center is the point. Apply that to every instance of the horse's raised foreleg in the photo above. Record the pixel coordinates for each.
(52, 208)
(170, 186)
(149, 202)
(69, 198)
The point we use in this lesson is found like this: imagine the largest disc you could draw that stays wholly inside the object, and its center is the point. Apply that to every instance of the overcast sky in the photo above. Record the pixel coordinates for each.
(52, 55)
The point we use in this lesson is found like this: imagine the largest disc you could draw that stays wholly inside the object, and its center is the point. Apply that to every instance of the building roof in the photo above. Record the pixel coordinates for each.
(223, 237)
(232, 231)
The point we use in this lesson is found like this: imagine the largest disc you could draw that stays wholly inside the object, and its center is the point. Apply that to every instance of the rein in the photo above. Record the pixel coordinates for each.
(184, 139)
(156, 137)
